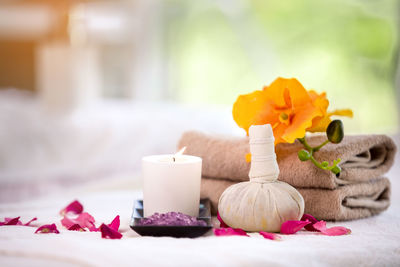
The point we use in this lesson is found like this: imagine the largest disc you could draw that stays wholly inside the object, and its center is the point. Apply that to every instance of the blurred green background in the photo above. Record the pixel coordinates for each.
(205, 53)
(217, 50)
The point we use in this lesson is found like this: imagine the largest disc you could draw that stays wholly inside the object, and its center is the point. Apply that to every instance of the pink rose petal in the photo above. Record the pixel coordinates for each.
(309, 227)
(85, 220)
(67, 222)
(222, 224)
(271, 236)
(47, 228)
(115, 223)
(12, 221)
(229, 231)
(108, 232)
(16, 221)
(74, 207)
(29, 222)
(333, 231)
(94, 229)
(76, 227)
(292, 227)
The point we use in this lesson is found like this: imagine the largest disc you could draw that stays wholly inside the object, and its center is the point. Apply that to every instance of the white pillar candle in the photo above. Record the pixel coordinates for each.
(171, 183)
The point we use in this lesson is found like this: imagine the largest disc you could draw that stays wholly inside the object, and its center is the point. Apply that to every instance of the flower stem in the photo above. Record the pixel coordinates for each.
(305, 144)
(316, 163)
(315, 149)
(311, 150)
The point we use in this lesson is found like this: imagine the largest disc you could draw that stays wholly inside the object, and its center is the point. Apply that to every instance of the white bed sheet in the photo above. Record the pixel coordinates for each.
(373, 242)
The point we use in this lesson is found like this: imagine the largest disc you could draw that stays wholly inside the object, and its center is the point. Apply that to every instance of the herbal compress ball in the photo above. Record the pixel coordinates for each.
(263, 203)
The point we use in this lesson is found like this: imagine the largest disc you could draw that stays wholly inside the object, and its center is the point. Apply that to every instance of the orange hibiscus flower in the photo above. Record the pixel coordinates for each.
(288, 107)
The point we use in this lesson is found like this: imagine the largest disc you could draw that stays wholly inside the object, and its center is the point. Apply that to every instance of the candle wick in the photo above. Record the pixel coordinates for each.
(173, 158)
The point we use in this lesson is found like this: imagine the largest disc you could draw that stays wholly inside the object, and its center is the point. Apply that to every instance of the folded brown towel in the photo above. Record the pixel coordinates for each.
(347, 202)
(364, 157)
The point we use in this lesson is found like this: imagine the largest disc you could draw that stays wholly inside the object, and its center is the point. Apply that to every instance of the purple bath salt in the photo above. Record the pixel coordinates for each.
(172, 219)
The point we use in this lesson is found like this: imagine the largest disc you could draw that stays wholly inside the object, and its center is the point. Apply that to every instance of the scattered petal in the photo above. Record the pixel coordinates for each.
(67, 222)
(47, 228)
(111, 230)
(229, 231)
(94, 229)
(115, 223)
(11, 221)
(221, 222)
(85, 220)
(271, 236)
(292, 227)
(333, 231)
(29, 222)
(76, 227)
(108, 232)
(16, 221)
(310, 227)
(74, 207)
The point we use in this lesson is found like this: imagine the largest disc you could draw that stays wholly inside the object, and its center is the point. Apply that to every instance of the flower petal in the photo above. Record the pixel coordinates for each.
(108, 232)
(271, 236)
(76, 227)
(253, 109)
(321, 123)
(301, 121)
(74, 207)
(341, 112)
(292, 227)
(94, 229)
(47, 228)
(67, 222)
(248, 157)
(85, 220)
(283, 90)
(229, 231)
(29, 222)
(16, 221)
(279, 130)
(222, 224)
(115, 223)
(309, 227)
(333, 231)
(12, 221)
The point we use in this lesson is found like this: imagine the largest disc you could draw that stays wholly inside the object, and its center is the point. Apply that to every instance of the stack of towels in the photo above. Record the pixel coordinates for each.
(359, 191)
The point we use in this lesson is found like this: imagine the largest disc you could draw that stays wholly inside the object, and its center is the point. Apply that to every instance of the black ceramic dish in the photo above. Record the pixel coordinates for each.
(174, 231)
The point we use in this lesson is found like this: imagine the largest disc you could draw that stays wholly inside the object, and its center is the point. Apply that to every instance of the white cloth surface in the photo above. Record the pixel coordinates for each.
(373, 242)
